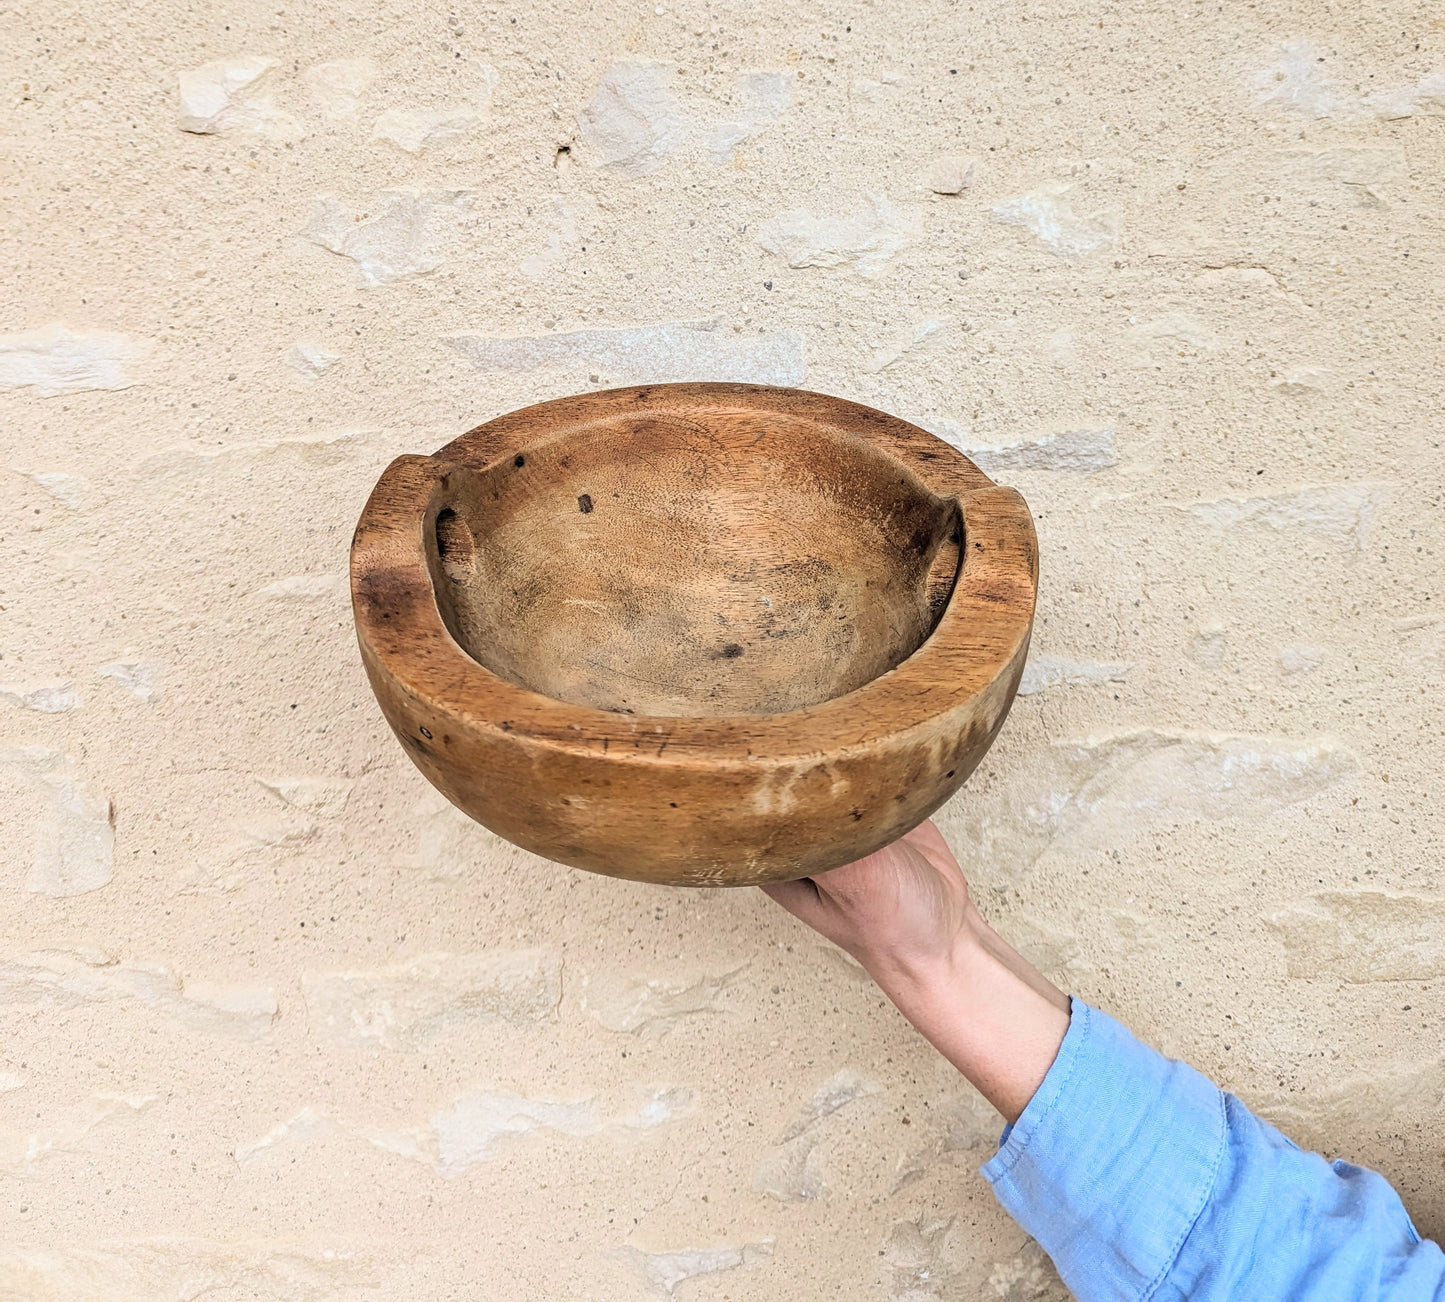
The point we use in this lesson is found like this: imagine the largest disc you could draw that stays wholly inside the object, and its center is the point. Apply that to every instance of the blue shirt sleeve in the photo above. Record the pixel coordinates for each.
(1146, 1183)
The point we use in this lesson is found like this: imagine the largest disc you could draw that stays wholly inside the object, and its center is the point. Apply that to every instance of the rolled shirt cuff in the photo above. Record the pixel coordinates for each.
(1113, 1159)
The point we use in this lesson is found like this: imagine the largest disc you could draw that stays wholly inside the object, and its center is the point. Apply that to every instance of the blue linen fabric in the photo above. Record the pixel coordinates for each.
(1144, 1182)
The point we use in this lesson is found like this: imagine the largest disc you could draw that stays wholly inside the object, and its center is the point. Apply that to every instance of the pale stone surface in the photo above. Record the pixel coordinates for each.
(956, 1129)
(1423, 638)
(1132, 838)
(55, 360)
(324, 796)
(922, 337)
(448, 844)
(1079, 451)
(397, 236)
(1052, 948)
(1363, 935)
(75, 847)
(1297, 81)
(565, 236)
(480, 1126)
(1426, 98)
(24, 1154)
(1350, 164)
(241, 846)
(305, 587)
(483, 1123)
(1170, 337)
(881, 90)
(309, 1123)
(1208, 647)
(650, 354)
(1353, 1107)
(404, 1005)
(1096, 793)
(339, 85)
(311, 360)
(477, 1125)
(866, 239)
(1044, 671)
(664, 1271)
(1027, 1276)
(759, 100)
(1062, 347)
(839, 962)
(180, 1269)
(73, 490)
(839, 1090)
(951, 173)
(414, 129)
(231, 93)
(78, 978)
(322, 449)
(1340, 514)
(1302, 657)
(1301, 80)
(74, 839)
(792, 1171)
(142, 678)
(212, 95)
(652, 1005)
(1049, 215)
(919, 1259)
(634, 121)
(1301, 379)
(46, 698)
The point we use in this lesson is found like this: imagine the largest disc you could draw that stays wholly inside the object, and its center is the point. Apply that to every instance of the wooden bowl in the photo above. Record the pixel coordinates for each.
(700, 634)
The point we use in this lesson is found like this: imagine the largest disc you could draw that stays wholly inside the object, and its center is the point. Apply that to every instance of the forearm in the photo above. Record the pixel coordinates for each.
(1136, 1174)
(986, 1009)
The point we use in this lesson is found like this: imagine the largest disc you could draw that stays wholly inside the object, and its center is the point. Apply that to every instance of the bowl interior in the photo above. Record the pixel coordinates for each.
(669, 565)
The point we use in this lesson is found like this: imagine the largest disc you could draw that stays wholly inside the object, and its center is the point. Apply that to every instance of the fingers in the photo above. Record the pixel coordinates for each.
(927, 839)
(859, 878)
(873, 885)
(800, 898)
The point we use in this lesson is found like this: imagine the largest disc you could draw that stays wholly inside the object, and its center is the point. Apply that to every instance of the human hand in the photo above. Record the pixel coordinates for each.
(900, 911)
(905, 913)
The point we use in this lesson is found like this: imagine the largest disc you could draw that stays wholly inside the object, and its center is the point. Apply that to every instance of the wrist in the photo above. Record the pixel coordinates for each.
(986, 1009)
(945, 973)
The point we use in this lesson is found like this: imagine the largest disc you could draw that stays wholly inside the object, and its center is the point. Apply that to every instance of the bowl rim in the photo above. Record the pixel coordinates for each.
(978, 644)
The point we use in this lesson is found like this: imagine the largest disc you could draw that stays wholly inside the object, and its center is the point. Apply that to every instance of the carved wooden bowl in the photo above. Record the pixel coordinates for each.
(700, 634)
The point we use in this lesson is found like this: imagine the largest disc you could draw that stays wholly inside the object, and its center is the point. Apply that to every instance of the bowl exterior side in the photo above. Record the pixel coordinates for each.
(631, 812)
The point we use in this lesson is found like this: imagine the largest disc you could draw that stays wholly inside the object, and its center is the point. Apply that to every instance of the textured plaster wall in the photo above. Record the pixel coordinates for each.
(278, 1024)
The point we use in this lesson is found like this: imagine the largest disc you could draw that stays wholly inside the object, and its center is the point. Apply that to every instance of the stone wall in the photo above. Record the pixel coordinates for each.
(279, 1024)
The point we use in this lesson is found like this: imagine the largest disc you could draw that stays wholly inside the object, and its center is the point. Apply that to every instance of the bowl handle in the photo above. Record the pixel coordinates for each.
(999, 576)
(394, 550)
(997, 522)
(402, 497)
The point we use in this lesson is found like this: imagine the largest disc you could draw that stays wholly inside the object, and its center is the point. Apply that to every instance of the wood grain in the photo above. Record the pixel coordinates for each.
(700, 634)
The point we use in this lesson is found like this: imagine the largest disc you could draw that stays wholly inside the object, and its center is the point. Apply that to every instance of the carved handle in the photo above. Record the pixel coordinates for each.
(1001, 555)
